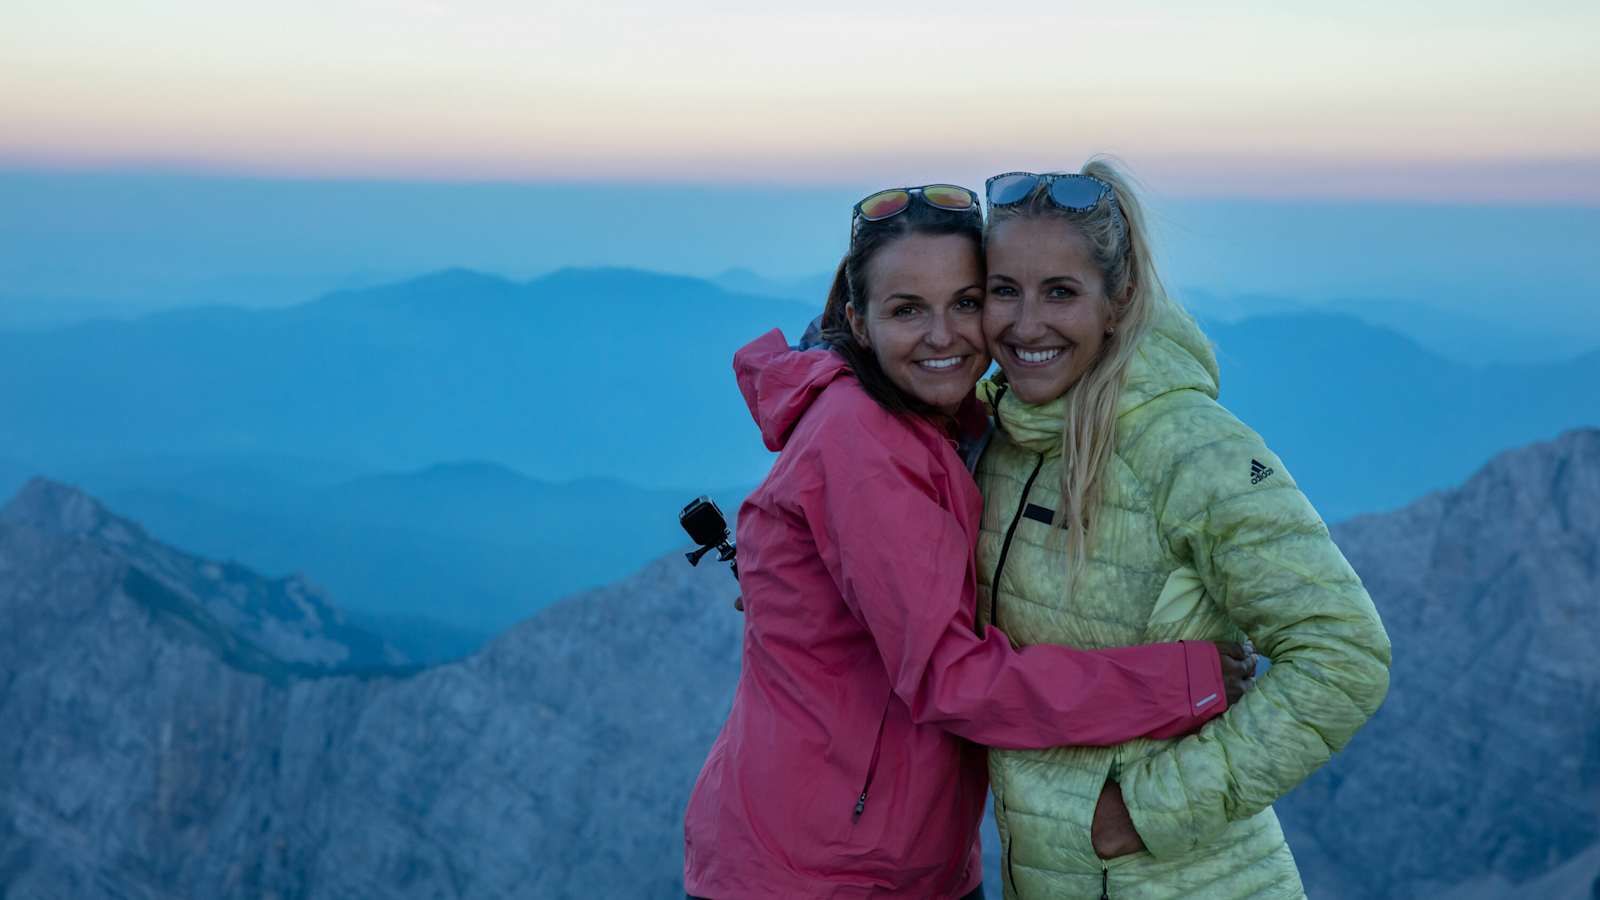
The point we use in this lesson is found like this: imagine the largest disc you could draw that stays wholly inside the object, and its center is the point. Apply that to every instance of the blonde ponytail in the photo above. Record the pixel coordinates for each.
(1121, 250)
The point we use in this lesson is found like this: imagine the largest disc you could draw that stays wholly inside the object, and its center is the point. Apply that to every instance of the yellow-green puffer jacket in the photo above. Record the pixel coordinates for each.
(1203, 535)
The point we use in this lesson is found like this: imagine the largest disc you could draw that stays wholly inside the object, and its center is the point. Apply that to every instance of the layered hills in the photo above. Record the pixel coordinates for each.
(624, 375)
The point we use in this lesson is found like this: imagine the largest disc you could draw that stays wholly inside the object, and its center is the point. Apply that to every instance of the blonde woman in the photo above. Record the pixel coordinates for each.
(1124, 505)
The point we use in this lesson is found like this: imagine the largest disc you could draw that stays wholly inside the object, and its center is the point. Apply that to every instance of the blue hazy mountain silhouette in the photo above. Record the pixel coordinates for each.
(436, 559)
(625, 374)
(582, 373)
(1367, 419)
(809, 289)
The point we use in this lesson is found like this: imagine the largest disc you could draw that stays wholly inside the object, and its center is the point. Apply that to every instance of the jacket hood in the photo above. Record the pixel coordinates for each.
(1174, 355)
(780, 383)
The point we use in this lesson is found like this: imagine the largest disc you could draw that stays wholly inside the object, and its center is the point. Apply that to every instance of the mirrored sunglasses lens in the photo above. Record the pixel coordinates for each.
(948, 196)
(1009, 189)
(884, 204)
(1076, 192)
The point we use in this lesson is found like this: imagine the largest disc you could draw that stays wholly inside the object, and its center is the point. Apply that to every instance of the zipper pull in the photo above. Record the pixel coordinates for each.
(861, 805)
(1105, 883)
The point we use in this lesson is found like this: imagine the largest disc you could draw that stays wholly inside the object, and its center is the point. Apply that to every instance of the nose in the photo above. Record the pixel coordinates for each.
(1028, 325)
(939, 334)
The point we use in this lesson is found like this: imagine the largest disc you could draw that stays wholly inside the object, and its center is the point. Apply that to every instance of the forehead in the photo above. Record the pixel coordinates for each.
(925, 263)
(1038, 245)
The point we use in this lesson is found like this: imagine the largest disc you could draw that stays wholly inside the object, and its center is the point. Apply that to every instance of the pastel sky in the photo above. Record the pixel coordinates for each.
(1466, 101)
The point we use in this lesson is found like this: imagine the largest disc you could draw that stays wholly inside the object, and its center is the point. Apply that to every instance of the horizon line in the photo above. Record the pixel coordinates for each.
(1278, 185)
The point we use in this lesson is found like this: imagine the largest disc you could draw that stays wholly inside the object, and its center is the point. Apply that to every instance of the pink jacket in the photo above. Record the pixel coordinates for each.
(850, 765)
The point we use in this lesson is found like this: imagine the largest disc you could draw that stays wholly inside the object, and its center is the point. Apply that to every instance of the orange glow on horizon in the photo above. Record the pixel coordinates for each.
(1482, 106)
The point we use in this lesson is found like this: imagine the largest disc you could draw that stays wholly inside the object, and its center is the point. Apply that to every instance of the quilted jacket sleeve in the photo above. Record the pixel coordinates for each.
(902, 562)
(1226, 505)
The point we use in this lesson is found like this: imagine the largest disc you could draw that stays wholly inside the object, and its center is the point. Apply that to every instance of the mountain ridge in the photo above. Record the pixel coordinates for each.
(276, 627)
(577, 733)
(612, 372)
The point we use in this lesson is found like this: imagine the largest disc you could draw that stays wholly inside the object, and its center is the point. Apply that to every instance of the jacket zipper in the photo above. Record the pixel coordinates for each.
(1105, 883)
(1005, 547)
(872, 768)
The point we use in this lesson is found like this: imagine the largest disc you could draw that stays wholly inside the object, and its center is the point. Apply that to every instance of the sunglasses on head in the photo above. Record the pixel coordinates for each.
(890, 203)
(1069, 191)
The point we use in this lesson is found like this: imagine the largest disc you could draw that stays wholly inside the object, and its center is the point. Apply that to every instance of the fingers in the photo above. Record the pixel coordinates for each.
(1238, 668)
(1235, 670)
(1234, 686)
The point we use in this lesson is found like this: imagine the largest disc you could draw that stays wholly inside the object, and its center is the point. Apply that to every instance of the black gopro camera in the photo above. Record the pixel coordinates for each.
(709, 530)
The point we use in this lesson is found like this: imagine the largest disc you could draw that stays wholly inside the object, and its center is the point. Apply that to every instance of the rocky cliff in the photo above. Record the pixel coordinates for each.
(170, 732)
(1483, 766)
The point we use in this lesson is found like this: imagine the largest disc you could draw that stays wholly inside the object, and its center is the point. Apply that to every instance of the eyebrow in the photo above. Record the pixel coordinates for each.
(905, 296)
(1067, 278)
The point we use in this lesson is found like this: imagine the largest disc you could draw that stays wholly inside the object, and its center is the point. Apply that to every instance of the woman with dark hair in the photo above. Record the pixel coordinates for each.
(844, 768)
(1123, 503)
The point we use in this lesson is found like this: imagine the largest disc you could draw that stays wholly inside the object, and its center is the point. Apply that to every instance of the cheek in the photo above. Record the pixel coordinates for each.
(970, 328)
(889, 340)
(994, 319)
(1085, 322)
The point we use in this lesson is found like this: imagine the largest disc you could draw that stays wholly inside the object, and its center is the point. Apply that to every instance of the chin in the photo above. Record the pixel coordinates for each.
(940, 401)
(1034, 390)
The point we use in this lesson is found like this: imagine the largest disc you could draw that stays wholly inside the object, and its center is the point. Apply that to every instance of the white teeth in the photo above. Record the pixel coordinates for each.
(940, 363)
(1037, 356)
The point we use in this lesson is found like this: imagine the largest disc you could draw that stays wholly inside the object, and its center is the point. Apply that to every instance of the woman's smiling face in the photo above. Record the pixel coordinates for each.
(924, 317)
(1046, 313)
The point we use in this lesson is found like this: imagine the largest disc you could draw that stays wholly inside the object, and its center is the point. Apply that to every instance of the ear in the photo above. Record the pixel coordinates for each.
(858, 326)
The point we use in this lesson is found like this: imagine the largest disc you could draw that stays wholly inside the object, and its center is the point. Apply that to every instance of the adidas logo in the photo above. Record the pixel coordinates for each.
(1259, 472)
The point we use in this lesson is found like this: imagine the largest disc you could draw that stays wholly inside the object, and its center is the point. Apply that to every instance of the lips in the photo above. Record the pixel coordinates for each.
(1036, 357)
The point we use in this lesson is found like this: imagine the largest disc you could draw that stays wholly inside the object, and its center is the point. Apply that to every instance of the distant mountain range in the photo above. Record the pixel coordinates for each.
(150, 758)
(1367, 420)
(625, 375)
(582, 373)
(1455, 335)
(810, 290)
(278, 628)
(435, 560)
(376, 440)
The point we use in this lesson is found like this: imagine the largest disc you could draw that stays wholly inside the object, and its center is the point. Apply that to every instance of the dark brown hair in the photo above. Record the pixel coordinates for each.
(850, 289)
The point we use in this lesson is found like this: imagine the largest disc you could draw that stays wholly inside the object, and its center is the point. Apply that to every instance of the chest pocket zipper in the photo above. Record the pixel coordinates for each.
(872, 766)
(1005, 546)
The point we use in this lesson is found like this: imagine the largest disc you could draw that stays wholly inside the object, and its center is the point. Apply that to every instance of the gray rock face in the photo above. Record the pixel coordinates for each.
(147, 756)
(1483, 766)
(285, 620)
(143, 755)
